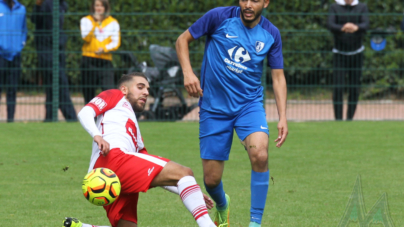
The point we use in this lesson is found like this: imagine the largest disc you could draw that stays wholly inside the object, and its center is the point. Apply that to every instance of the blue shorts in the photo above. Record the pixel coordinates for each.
(216, 130)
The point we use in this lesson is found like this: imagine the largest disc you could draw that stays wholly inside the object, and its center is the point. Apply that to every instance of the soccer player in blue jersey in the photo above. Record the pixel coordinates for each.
(231, 96)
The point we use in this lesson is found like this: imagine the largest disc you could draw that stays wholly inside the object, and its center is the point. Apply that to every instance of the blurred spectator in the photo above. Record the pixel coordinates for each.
(348, 21)
(101, 35)
(13, 34)
(42, 18)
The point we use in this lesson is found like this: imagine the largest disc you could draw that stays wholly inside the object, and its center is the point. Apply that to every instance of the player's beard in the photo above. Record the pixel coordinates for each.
(134, 103)
(256, 16)
(137, 107)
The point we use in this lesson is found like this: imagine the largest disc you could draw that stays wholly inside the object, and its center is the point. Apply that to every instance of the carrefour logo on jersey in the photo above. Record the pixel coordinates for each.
(238, 54)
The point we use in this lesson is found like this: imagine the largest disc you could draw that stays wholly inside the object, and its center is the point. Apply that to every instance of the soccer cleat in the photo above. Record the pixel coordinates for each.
(72, 222)
(222, 218)
(254, 224)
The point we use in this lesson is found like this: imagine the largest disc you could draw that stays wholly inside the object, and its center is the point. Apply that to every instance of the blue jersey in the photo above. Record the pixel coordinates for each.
(233, 60)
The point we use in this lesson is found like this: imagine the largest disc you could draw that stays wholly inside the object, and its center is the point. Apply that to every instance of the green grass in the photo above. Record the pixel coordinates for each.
(314, 173)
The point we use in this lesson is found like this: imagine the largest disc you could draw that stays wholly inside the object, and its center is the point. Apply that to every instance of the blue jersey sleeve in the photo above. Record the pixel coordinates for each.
(208, 23)
(275, 56)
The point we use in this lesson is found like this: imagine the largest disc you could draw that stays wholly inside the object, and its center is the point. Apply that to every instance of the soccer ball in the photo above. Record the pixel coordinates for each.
(101, 186)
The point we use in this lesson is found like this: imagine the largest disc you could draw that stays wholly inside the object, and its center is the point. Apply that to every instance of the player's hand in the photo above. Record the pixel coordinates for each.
(192, 84)
(282, 132)
(39, 2)
(208, 201)
(103, 145)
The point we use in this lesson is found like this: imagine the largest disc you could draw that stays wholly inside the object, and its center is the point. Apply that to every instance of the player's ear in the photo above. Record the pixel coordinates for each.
(124, 89)
(266, 3)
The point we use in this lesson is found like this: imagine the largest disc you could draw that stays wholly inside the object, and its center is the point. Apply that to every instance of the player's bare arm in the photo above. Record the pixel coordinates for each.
(280, 90)
(191, 81)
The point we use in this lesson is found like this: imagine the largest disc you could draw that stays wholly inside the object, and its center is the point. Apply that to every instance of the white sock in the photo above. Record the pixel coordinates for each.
(88, 225)
(173, 189)
(192, 197)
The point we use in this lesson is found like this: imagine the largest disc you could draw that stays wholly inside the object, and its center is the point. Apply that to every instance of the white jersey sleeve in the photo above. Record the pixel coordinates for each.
(86, 118)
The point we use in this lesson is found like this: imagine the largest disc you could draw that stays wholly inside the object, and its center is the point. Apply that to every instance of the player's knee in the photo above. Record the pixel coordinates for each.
(263, 156)
(174, 172)
(187, 171)
(211, 182)
(260, 158)
(184, 171)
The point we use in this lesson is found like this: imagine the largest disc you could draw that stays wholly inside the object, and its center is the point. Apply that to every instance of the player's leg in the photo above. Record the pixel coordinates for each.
(174, 174)
(257, 148)
(216, 136)
(139, 172)
(124, 223)
(252, 129)
(136, 172)
(121, 213)
(171, 174)
(213, 172)
(74, 222)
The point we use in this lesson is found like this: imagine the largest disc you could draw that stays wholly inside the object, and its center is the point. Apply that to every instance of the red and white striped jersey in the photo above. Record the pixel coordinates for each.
(117, 123)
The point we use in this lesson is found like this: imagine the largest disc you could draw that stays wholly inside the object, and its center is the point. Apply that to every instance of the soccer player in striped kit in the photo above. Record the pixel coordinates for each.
(118, 145)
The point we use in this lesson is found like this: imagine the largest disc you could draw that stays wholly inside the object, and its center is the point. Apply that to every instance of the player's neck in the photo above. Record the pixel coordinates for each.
(251, 24)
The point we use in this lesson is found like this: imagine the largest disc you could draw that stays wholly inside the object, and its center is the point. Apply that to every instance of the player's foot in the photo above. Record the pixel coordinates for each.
(222, 216)
(72, 222)
(254, 224)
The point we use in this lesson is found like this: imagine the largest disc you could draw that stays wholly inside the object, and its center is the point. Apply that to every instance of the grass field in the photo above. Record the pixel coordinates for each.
(314, 173)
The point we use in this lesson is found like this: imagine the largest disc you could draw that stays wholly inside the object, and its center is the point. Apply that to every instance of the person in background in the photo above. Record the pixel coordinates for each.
(348, 21)
(101, 35)
(42, 18)
(13, 34)
(402, 25)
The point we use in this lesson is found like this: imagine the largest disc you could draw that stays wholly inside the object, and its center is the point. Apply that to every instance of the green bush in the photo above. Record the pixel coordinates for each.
(307, 43)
